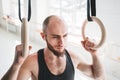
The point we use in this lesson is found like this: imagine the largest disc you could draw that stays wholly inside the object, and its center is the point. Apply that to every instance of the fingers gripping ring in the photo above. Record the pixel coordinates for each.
(103, 33)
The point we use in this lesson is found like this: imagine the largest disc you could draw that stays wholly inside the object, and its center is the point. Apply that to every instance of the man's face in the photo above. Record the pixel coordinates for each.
(56, 37)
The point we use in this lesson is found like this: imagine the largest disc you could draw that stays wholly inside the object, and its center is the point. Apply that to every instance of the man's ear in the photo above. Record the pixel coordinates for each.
(42, 35)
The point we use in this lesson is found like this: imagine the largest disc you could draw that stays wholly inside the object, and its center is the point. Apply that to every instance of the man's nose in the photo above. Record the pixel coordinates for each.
(61, 40)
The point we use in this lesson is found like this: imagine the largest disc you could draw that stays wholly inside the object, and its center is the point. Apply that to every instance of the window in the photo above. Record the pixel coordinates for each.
(73, 12)
(10, 8)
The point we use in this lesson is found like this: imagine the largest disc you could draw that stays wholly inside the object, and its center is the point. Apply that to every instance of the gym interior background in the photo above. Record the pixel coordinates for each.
(74, 13)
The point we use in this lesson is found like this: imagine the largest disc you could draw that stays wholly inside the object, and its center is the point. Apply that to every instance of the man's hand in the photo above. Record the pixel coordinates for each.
(88, 45)
(19, 59)
(13, 71)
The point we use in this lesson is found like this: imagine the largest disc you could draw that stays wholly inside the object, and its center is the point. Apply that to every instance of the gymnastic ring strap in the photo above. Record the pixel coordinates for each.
(102, 28)
(29, 10)
(91, 9)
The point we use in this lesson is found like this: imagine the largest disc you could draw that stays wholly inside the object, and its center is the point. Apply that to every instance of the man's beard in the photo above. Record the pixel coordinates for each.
(56, 53)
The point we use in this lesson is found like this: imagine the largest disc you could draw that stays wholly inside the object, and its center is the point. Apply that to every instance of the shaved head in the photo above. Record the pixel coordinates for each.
(50, 21)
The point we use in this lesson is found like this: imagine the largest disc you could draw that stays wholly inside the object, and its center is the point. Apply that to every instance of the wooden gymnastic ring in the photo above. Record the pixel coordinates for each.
(25, 37)
(103, 32)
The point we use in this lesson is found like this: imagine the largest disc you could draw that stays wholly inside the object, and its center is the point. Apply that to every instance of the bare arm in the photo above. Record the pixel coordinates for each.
(95, 70)
(24, 72)
(29, 69)
(13, 71)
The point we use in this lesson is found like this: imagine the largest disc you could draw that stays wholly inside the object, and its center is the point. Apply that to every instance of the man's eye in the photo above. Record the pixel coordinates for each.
(55, 37)
(65, 36)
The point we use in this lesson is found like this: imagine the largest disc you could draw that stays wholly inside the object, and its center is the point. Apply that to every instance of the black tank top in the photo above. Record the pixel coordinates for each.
(45, 74)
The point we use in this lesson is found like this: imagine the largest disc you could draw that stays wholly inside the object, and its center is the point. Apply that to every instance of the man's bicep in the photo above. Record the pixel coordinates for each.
(24, 74)
(82, 65)
(25, 71)
(85, 68)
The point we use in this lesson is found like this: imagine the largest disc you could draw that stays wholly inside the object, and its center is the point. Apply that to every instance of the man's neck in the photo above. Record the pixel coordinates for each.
(49, 54)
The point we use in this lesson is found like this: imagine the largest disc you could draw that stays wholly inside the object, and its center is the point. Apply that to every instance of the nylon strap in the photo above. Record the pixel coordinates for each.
(91, 9)
(29, 10)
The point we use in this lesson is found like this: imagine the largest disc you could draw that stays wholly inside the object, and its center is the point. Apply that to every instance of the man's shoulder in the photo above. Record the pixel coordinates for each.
(31, 63)
(71, 53)
(32, 56)
(74, 56)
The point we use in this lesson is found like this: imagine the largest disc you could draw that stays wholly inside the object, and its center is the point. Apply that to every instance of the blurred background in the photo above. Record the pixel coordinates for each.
(74, 13)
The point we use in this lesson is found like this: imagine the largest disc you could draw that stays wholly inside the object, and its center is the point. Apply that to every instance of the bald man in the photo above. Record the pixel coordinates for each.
(54, 62)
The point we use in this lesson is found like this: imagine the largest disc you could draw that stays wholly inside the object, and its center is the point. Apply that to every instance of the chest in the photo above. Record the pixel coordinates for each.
(57, 66)
(55, 70)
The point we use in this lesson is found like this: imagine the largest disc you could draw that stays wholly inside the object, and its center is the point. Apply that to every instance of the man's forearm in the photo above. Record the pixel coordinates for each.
(97, 68)
(12, 73)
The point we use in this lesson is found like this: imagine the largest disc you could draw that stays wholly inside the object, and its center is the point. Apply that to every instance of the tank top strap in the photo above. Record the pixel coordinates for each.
(41, 63)
(69, 58)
